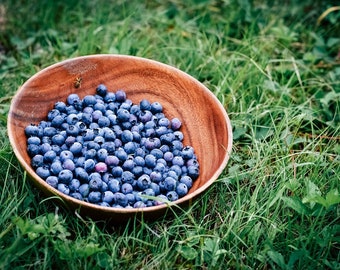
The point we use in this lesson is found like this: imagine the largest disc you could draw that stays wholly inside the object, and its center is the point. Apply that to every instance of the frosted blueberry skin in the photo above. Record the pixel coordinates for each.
(105, 150)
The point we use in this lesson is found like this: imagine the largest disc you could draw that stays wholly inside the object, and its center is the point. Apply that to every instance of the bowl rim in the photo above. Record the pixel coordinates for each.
(64, 197)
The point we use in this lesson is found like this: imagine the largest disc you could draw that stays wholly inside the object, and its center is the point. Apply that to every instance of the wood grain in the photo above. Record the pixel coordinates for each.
(206, 125)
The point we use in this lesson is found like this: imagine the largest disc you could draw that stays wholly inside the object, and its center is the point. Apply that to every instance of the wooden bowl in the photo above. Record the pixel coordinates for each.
(205, 123)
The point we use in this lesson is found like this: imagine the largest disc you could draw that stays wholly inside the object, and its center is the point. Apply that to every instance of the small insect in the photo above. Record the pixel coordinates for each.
(77, 82)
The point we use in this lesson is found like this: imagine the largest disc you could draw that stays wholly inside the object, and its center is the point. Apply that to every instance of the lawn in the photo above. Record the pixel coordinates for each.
(275, 67)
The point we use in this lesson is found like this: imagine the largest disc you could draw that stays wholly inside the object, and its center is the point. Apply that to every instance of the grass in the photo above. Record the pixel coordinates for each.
(274, 66)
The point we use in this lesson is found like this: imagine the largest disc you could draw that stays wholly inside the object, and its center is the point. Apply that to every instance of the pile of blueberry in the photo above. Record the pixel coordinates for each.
(105, 150)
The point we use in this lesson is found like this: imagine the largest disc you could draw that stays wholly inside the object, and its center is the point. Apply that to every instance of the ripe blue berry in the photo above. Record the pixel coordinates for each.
(182, 189)
(172, 196)
(52, 181)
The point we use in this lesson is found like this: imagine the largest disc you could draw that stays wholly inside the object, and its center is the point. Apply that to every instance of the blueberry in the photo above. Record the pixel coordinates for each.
(96, 183)
(172, 196)
(58, 139)
(72, 99)
(145, 116)
(126, 188)
(89, 165)
(33, 150)
(117, 171)
(149, 125)
(72, 119)
(74, 185)
(168, 156)
(188, 152)
(37, 161)
(164, 122)
(66, 154)
(102, 154)
(63, 188)
(104, 187)
(120, 199)
(182, 189)
(89, 100)
(34, 140)
(137, 171)
(69, 164)
(52, 181)
(152, 143)
(175, 175)
(81, 174)
(156, 177)
(76, 195)
(60, 106)
(101, 90)
(49, 156)
(139, 161)
(126, 136)
(96, 115)
(144, 104)
(90, 154)
(110, 147)
(177, 145)
(178, 160)
(120, 96)
(101, 167)
(170, 183)
(43, 172)
(56, 167)
(87, 118)
(155, 187)
(109, 135)
(150, 161)
(114, 185)
(57, 121)
(104, 121)
(94, 196)
(161, 199)
(52, 114)
(128, 165)
(160, 167)
(45, 147)
(131, 198)
(149, 192)
(126, 104)
(121, 154)
(176, 169)
(108, 197)
(123, 115)
(135, 109)
(81, 126)
(111, 160)
(65, 176)
(167, 138)
(127, 177)
(76, 148)
(156, 107)
(157, 153)
(178, 135)
(193, 172)
(32, 130)
(143, 182)
(139, 204)
(129, 147)
(84, 190)
(110, 97)
(176, 124)
(161, 131)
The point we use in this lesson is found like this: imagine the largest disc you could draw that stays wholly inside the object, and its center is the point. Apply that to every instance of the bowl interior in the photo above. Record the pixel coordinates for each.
(205, 123)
